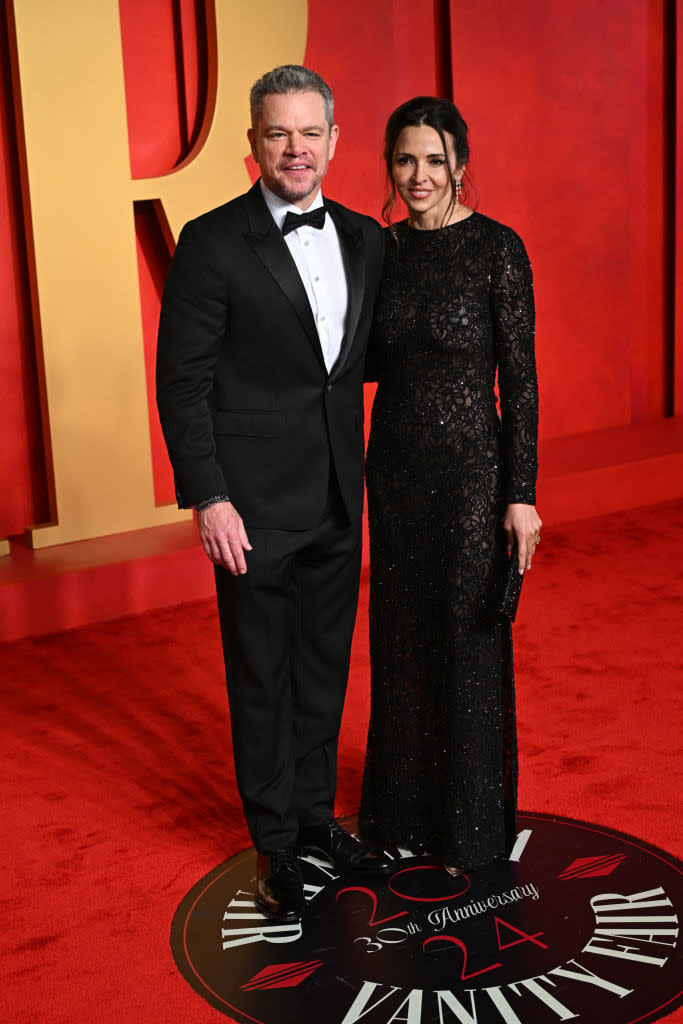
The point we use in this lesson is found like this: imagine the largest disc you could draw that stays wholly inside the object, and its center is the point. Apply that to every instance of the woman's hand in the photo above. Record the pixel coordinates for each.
(523, 524)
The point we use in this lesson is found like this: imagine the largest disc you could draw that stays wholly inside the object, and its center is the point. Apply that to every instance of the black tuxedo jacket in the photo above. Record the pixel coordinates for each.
(246, 404)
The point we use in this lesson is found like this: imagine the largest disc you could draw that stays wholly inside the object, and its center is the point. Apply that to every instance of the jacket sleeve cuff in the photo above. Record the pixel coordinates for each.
(202, 506)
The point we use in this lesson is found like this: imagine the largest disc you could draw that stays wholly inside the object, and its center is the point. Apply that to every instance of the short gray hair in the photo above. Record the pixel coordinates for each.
(289, 78)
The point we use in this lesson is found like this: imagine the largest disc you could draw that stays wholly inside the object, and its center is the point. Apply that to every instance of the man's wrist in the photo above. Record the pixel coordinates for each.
(208, 502)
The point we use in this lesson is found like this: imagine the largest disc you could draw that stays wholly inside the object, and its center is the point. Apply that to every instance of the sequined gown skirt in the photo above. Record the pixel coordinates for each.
(441, 765)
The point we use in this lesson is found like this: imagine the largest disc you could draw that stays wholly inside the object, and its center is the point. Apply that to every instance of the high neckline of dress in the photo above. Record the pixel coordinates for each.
(435, 231)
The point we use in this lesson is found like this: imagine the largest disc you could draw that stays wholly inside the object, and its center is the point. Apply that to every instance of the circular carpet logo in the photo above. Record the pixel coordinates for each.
(581, 923)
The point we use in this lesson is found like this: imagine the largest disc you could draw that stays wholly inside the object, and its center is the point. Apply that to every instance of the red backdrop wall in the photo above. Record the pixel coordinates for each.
(565, 103)
(567, 110)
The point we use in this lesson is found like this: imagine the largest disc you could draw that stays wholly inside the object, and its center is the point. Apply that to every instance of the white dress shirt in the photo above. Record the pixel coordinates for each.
(317, 254)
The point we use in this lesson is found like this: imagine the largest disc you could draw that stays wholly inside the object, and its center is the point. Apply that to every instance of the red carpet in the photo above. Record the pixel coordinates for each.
(118, 792)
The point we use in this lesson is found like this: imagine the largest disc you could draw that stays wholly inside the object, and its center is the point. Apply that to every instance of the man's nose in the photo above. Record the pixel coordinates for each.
(296, 144)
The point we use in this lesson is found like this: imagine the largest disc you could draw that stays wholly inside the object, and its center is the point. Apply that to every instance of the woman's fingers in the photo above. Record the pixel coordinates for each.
(523, 524)
(531, 544)
(522, 560)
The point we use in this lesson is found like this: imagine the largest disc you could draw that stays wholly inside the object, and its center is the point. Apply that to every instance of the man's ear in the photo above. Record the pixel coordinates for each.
(334, 135)
(251, 136)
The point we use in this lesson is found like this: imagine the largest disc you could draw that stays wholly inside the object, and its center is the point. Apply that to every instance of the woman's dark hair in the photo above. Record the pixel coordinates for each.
(441, 115)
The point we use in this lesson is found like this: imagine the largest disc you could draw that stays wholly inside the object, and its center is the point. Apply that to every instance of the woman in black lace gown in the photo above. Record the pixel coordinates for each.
(450, 485)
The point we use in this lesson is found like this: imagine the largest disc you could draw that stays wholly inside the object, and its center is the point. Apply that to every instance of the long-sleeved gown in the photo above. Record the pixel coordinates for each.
(456, 305)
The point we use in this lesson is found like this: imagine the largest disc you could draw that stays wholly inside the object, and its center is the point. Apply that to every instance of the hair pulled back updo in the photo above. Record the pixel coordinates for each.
(441, 115)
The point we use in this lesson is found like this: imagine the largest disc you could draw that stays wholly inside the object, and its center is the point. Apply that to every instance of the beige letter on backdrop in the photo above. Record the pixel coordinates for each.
(78, 197)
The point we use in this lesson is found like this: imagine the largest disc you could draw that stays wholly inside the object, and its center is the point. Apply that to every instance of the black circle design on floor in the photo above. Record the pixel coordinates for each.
(580, 924)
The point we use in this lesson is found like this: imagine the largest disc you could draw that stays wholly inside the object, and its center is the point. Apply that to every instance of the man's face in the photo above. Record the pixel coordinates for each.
(293, 144)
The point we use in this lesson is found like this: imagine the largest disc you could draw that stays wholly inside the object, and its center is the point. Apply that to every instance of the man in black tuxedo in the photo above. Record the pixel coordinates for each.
(264, 325)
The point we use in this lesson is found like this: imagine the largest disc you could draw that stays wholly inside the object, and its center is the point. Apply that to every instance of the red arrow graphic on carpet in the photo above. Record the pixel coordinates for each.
(282, 975)
(591, 867)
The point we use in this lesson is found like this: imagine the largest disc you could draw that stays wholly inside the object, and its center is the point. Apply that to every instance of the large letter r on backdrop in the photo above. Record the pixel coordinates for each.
(78, 200)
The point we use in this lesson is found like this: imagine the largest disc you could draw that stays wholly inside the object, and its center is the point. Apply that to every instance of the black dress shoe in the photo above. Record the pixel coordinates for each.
(280, 885)
(347, 853)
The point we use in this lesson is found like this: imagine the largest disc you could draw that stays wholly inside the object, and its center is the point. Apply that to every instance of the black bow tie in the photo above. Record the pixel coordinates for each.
(314, 219)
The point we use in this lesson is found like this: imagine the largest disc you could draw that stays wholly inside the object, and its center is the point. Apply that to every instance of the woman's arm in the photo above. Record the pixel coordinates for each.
(514, 323)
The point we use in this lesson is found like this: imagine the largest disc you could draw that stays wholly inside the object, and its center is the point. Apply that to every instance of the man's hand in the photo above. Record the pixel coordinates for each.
(224, 537)
(522, 522)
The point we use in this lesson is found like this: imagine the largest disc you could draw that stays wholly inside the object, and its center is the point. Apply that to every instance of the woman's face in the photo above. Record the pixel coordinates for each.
(420, 173)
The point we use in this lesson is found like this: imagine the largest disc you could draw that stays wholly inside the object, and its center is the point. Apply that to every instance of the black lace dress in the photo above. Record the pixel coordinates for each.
(455, 305)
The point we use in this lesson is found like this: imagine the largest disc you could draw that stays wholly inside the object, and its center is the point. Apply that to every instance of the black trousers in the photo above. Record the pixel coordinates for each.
(286, 627)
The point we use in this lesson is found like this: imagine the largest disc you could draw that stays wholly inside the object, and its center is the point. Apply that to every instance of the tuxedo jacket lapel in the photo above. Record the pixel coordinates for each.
(353, 254)
(269, 245)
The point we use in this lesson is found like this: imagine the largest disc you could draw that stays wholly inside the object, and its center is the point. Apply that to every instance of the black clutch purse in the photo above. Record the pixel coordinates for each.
(512, 587)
